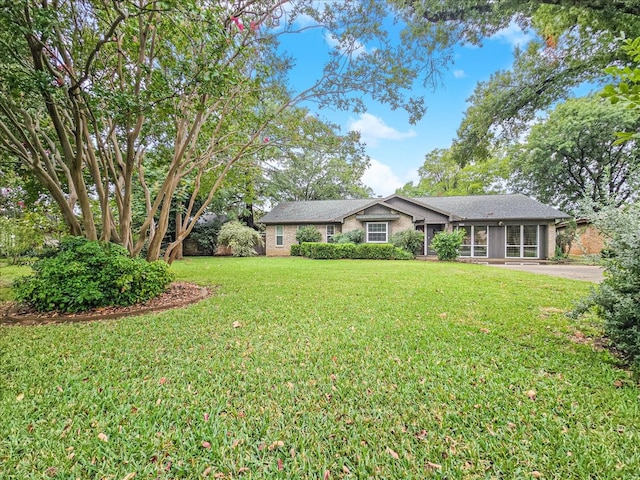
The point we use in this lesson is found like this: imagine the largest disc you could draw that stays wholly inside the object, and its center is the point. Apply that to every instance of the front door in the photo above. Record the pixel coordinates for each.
(431, 232)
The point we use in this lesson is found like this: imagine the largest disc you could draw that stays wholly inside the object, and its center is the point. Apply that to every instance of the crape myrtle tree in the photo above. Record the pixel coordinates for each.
(96, 94)
(573, 42)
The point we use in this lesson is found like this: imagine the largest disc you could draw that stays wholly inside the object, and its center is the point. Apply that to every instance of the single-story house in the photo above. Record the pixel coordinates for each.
(497, 226)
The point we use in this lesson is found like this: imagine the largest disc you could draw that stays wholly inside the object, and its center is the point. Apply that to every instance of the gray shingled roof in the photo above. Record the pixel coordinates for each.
(474, 207)
(316, 211)
(499, 207)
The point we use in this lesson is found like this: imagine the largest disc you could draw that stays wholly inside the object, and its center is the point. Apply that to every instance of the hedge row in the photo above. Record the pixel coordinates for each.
(371, 251)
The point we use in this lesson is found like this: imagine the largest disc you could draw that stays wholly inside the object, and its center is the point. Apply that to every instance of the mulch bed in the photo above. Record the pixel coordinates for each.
(178, 295)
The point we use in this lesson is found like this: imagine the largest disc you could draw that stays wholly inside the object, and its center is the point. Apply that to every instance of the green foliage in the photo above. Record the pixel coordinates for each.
(315, 161)
(241, 239)
(617, 298)
(25, 235)
(441, 175)
(82, 275)
(206, 235)
(308, 233)
(352, 236)
(565, 238)
(370, 251)
(296, 250)
(573, 155)
(573, 43)
(447, 244)
(410, 240)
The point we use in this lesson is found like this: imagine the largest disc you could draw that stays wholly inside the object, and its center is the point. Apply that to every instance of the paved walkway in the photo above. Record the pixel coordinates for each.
(587, 273)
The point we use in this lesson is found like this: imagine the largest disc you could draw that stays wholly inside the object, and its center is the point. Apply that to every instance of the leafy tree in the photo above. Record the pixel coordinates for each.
(627, 88)
(441, 175)
(308, 233)
(573, 154)
(240, 238)
(106, 103)
(574, 42)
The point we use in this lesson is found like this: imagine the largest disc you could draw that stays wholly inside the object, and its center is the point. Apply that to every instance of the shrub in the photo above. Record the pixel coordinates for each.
(206, 235)
(240, 238)
(308, 233)
(375, 251)
(447, 244)
(296, 250)
(352, 236)
(371, 251)
(410, 240)
(84, 274)
(617, 298)
(402, 254)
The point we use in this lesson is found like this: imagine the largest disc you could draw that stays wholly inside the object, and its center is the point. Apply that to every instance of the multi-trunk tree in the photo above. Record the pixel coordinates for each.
(116, 106)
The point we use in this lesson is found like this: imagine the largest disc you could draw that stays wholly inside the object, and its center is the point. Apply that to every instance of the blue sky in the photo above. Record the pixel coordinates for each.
(396, 147)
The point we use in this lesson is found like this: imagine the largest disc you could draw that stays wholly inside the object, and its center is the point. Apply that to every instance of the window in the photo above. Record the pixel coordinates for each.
(377, 232)
(331, 230)
(522, 241)
(475, 241)
(279, 235)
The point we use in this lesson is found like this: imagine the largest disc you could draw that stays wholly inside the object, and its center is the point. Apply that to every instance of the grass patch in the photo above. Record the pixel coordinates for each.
(8, 273)
(363, 369)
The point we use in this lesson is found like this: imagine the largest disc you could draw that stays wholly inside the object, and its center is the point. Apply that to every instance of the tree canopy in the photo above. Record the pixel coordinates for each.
(441, 175)
(574, 42)
(116, 106)
(574, 155)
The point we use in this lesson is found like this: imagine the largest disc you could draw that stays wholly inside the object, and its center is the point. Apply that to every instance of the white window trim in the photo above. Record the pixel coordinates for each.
(327, 235)
(473, 241)
(386, 232)
(279, 245)
(522, 245)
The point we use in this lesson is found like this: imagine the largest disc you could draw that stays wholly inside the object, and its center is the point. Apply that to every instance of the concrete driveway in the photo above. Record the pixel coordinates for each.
(588, 273)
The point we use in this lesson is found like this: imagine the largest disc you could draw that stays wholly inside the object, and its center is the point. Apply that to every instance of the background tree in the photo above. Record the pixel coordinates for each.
(94, 96)
(310, 159)
(441, 174)
(574, 42)
(573, 155)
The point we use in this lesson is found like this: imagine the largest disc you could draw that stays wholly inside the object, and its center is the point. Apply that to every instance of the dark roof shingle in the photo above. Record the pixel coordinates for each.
(473, 207)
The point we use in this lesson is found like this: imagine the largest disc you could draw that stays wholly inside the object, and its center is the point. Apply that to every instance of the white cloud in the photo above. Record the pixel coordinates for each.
(381, 178)
(459, 74)
(372, 129)
(513, 35)
(348, 46)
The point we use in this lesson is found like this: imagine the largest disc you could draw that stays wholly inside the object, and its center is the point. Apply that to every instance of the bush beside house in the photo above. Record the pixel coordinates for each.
(371, 251)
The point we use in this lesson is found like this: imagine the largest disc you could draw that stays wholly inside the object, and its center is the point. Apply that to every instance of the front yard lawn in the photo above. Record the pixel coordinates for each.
(324, 369)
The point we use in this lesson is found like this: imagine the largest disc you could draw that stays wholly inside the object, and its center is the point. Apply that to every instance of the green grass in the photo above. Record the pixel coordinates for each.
(8, 273)
(363, 369)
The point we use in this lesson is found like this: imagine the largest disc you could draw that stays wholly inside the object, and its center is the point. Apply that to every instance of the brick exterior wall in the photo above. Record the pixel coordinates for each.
(589, 241)
(289, 239)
